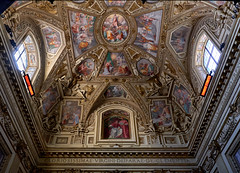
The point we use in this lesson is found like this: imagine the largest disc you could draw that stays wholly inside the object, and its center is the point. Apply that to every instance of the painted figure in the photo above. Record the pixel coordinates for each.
(85, 67)
(161, 114)
(71, 113)
(145, 67)
(82, 27)
(183, 98)
(115, 2)
(149, 26)
(49, 99)
(115, 65)
(53, 39)
(115, 28)
(115, 91)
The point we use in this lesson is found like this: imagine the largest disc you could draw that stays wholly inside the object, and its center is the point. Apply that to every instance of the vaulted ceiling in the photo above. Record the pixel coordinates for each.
(102, 62)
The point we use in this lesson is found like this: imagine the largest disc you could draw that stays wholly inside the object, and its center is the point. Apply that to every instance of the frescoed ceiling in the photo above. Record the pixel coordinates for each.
(123, 55)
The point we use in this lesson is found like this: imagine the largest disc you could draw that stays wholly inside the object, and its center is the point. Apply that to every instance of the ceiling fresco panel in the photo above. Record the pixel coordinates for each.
(119, 3)
(82, 30)
(149, 27)
(115, 64)
(52, 39)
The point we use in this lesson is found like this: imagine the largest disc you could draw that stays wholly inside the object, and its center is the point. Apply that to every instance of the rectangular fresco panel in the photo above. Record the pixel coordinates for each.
(182, 97)
(82, 27)
(161, 114)
(115, 65)
(49, 99)
(52, 39)
(149, 27)
(71, 113)
(116, 124)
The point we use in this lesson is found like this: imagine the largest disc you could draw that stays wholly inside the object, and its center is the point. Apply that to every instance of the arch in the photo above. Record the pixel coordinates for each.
(207, 54)
(27, 56)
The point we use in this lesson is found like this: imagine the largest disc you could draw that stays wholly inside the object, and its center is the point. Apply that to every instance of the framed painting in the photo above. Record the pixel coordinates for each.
(149, 28)
(71, 113)
(161, 114)
(182, 97)
(49, 99)
(115, 125)
(115, 91)
(115, 64)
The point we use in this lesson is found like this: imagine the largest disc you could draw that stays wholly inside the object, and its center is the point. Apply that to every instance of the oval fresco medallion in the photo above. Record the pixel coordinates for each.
(115, 28)
(85, 68)
(145, 67)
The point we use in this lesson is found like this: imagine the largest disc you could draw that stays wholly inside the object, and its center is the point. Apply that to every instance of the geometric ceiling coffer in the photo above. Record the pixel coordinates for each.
(52, 39)
(82, 27)
(149, 27)
(179, 39)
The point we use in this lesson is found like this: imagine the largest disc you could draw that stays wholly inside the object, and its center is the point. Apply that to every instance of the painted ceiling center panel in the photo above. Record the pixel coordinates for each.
(115, 28)
(115, 64)
(149, 27)
(82, 29)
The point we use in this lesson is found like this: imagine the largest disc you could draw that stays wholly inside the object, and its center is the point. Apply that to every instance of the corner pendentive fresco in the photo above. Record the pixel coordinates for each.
(52, 39)
(86, 67)
(145, 67)
(115, 28)
(115, 65)
(161, 114)
(115, 91)
(179, 39)
(71, 113)
(82, 27)
(149, 27)
(49, 99)
(183, 98)
(116, 124)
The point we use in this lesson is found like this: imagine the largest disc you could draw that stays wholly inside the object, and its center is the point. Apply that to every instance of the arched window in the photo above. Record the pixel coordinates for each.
(26, 56)
(207, 54)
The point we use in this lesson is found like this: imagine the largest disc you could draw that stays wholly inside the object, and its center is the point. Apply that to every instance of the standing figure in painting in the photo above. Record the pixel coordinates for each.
(123, 123)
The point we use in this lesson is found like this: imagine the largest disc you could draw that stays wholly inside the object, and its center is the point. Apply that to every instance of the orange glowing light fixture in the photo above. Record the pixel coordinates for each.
(29, 84)
(206, 84)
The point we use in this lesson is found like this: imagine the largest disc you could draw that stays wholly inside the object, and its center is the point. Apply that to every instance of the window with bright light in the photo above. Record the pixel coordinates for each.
(26, 56)
(207, 54)
(211, 57)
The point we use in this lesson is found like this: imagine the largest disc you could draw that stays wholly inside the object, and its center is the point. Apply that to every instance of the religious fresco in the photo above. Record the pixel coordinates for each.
(115, 28)
(49, 99)
(115, 65)
(86, 67)
(161, 114)
(116, 124)
(218, 3)
(145, 67)
(82, 27)
(71, 113)
(183, 98)
(149, 27)
(179, 38)
(17, 4)
(115, 2)
(52, 39)
(115, 91)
